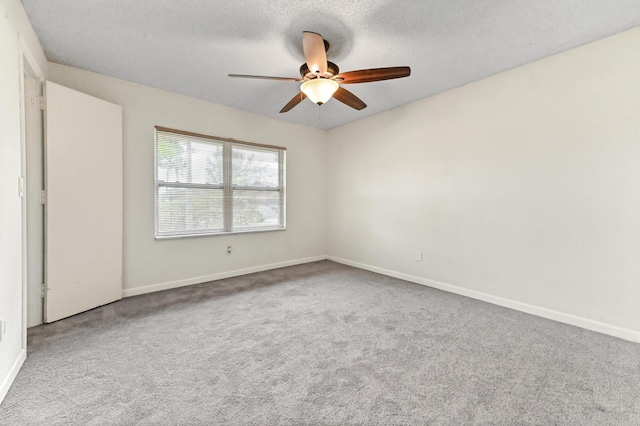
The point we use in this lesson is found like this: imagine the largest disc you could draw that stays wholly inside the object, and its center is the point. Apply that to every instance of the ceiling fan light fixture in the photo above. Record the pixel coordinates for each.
(319, 90)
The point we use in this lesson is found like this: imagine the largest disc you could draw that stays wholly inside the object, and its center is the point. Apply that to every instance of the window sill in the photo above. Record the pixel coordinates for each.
(215, 234)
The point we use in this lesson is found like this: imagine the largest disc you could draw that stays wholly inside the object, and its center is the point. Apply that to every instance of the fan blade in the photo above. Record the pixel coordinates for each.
(349, 99)
(314, 54)
(373, 74)
(293, 102)
(264, 77)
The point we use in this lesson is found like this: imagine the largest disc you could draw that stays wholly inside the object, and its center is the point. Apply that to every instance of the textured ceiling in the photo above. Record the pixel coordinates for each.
(190, 46)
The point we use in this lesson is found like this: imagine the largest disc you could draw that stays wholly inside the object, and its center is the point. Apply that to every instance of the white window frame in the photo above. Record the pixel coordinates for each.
(227, 186)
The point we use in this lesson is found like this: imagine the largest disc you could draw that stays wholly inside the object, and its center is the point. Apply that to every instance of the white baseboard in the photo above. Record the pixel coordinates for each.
(127, 292)
(13, 372)
(600, 327)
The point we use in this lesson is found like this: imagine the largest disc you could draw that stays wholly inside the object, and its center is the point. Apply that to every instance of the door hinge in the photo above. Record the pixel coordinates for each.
(43, 196)
(20, 186)
(42, 291)
(41, 98)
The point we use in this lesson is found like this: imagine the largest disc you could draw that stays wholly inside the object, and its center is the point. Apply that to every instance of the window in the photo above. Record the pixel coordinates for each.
(207, 185)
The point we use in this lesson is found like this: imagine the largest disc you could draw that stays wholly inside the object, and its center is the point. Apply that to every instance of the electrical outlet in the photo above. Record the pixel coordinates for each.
(228, 249)
(418, 256)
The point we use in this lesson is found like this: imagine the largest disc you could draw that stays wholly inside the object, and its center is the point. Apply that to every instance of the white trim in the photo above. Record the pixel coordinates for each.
(128, 292)
(25, 52)
(600, 327)
(15, 368)
(26, 56)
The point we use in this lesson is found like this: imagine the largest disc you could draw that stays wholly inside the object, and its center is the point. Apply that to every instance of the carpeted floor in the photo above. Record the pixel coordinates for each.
(320, 344)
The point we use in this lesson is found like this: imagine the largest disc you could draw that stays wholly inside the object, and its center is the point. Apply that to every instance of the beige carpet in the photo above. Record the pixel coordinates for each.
(320, 344)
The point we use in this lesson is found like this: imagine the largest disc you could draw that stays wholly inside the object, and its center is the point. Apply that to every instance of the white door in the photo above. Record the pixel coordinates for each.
(83, 213)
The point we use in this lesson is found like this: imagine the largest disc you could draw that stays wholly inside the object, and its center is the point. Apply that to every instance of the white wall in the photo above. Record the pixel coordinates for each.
(154, 264)
(522, 189)
(16, 35)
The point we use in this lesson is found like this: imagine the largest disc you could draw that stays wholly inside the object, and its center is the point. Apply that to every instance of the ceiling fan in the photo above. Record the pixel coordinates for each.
(321, 79)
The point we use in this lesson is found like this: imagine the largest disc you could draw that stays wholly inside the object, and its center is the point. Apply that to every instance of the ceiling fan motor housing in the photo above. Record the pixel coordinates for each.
(332, 70)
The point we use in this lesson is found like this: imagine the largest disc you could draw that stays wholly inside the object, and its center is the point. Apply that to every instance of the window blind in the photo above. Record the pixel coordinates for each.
(207, 185)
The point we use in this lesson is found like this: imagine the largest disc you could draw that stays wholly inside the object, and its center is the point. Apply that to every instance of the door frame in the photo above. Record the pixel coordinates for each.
(28, 65)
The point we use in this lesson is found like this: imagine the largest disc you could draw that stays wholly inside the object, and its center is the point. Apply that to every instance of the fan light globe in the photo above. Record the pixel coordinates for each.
(319, 90)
